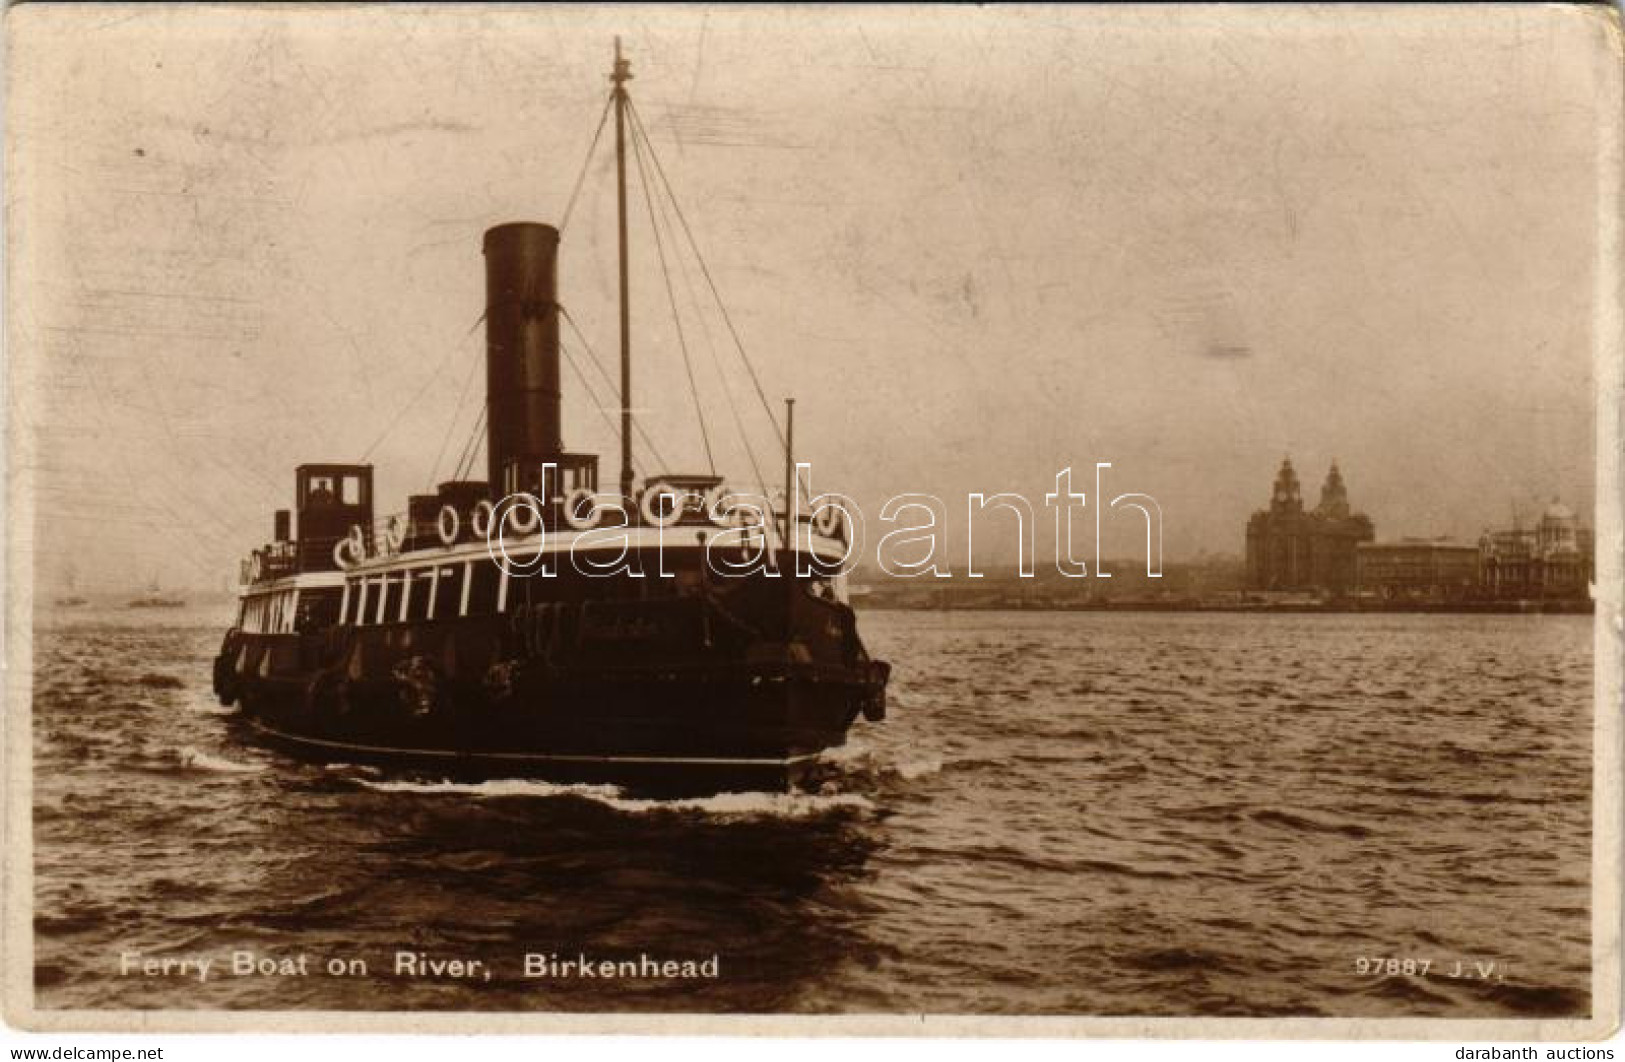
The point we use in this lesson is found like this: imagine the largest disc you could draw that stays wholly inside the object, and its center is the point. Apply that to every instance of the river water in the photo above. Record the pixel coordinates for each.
(1066, 813)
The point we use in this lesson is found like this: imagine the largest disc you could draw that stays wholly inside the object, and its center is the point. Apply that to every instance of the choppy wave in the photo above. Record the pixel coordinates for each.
(1064, 813)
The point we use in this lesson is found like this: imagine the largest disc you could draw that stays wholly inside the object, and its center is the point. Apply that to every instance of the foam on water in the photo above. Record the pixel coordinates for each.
(494, 787)
(194, 759)
(747, 804)
(856, 759)
(200, 706)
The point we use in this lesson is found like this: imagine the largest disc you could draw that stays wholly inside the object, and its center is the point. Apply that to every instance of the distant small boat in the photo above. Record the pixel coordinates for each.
(71, 599)
(155, 598)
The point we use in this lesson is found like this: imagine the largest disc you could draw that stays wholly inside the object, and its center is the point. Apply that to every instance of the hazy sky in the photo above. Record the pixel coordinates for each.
(978, 245)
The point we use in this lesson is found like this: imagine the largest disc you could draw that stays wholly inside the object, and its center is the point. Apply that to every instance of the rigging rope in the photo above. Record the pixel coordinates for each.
(711, 348)
(585, 164)
(471, 449)
(586, 384)
(421, 391)
(598, 363)
(660, 170)
(640, 129)
(451, 427)
(671, 297)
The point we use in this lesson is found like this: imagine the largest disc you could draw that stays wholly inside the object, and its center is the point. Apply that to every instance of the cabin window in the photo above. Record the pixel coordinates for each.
(482, 596)
(351, 490)
(404, 597)
(316, 609)
(321, 491)
(448, 596)
(389, 599)
(417, 601)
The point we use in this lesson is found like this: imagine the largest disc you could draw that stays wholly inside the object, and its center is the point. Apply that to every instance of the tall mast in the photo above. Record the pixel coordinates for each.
(623, 74)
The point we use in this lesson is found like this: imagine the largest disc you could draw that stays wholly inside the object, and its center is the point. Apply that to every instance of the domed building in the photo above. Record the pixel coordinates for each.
(1289, 548)
(1554, 559)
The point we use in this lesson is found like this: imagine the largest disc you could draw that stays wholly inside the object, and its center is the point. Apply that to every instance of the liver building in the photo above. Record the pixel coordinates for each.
(1291, 549)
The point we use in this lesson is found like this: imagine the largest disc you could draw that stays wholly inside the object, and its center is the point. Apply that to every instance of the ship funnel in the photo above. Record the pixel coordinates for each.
(521, 354)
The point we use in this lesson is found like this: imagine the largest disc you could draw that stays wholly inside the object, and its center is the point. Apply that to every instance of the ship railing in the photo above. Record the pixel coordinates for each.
(271, 561)
(395, 532)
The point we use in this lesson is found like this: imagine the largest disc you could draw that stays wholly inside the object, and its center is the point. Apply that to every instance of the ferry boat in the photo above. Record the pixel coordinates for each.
(671, 635)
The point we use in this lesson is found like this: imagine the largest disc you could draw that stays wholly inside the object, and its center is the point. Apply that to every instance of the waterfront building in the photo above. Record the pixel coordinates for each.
(1553, 559)
(1436, 569)
(1290, 548)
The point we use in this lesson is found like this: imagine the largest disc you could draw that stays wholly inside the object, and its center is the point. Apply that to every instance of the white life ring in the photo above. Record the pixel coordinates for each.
(578, 518)
(358, 542)
(651, 512)
(342, 555)
(522, 503)
(829, 521)
(395, 533)
(480, 521)
(448, 535)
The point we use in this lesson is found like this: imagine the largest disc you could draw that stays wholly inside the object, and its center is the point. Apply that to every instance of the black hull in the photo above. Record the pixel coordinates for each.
(657, 777)
(732, 687)
(677, 730)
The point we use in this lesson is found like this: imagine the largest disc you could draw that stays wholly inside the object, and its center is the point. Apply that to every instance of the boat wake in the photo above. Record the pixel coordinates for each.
(194, 759)
(202, 704)
(720, 805)
(859, 764)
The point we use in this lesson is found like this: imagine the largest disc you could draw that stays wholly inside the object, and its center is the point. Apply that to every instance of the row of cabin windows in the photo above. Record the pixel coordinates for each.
(431, 592)
(267, 613)
(287, 611)
(441, 591)
(475, 588)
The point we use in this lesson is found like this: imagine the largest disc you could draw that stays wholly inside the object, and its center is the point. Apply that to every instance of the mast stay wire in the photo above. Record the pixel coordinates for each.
(564, 221)
(471, 449)
(705, 271)
(711, 347)
(671, 297)
(641, 139)
(603, 409)
(598, 363)
(428, 381)
(586, 164)
(716, 295)
(451, 427)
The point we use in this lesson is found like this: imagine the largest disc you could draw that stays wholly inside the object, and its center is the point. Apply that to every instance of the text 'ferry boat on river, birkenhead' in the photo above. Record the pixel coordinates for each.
(668, 635)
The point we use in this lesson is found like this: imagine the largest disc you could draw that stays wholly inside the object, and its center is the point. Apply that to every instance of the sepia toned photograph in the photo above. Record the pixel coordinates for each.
(1033, 520)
